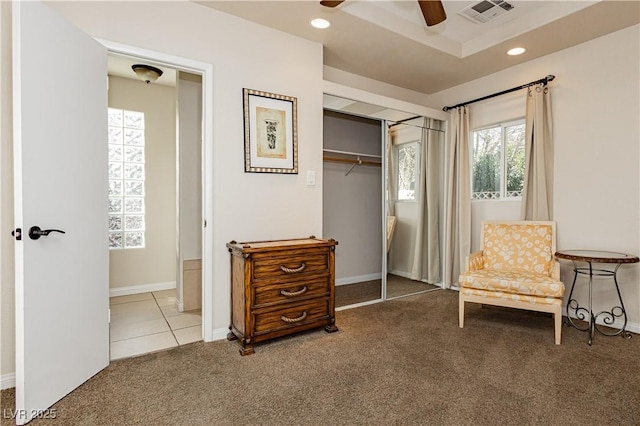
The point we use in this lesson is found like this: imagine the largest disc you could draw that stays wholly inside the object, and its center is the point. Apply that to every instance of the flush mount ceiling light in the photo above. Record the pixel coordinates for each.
(146, 72)
(516, 51)
(320, 23)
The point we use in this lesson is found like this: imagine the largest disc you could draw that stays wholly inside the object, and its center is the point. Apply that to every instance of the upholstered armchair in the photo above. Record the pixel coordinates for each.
(515, 268)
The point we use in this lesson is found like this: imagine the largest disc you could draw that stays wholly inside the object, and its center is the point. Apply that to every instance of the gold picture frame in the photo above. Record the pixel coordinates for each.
(270, 132)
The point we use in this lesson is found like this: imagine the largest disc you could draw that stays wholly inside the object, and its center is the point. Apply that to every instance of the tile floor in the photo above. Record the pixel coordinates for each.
(148, 322)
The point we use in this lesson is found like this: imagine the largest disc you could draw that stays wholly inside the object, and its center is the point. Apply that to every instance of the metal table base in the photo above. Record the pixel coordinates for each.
(585, 313)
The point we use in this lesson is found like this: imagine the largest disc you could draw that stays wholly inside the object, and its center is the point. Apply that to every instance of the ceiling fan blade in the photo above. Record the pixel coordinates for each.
(330, 3)
(433, 11)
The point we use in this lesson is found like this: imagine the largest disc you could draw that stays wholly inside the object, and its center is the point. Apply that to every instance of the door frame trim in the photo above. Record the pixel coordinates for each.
(206, 71)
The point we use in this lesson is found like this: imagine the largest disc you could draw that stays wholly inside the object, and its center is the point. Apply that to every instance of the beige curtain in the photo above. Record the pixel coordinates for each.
(537, 194)
(391, 179)
(426, 260)
(458, 223)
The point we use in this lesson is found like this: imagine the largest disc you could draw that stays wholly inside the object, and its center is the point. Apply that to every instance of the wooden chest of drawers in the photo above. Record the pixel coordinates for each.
(281, 287)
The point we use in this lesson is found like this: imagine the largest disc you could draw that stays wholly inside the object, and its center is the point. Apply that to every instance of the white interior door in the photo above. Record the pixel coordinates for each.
(60, 155)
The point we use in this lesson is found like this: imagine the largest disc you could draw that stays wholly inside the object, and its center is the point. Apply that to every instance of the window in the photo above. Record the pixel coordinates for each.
(126, 179)
(407, 155)
(498, 162)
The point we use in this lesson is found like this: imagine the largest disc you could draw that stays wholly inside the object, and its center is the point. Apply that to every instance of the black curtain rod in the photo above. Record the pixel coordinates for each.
(545, 80)
(415, 125)
(395, 123)
(403, 123)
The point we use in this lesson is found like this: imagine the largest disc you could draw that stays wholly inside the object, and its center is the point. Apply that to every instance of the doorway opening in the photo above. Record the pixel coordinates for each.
(155, 208)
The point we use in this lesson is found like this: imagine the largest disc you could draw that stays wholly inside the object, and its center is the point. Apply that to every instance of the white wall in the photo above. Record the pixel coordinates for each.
(247, 206)
(352, 204)
(155, 263)
(596, 112)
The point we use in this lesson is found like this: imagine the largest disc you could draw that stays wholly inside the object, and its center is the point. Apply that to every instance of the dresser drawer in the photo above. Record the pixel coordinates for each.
(266, 295)
(287, 266)
(297, 315)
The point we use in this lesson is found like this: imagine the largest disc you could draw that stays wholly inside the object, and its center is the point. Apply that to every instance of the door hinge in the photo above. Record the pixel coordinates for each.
(109, 315)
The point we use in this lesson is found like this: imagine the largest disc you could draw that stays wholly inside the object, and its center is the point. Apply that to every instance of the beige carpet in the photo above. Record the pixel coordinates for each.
(399, 362)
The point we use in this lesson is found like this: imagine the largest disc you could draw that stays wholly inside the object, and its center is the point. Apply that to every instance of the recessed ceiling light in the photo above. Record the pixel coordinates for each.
(516, 51)
(320, 23)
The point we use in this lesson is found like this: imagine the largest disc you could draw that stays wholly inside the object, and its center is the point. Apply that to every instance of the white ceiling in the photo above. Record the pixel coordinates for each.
(388, 40)
(120, 66)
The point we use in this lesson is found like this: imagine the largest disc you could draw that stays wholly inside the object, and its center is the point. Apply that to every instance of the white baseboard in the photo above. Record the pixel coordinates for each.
(8, 381)
(402, 274)
(219, 334)
(631, 326)
(358, 279)
(357, 305)
(408, 276)
(142, 288)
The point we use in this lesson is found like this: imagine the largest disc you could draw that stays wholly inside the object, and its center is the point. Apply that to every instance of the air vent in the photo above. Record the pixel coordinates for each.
(486, 10)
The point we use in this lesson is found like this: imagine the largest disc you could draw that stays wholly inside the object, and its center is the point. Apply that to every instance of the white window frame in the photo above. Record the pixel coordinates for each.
(416, 172)
(503, 159)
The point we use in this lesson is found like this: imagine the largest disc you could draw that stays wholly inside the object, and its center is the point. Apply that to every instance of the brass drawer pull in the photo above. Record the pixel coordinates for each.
(294, 293)
(293, 270)
(290, 320)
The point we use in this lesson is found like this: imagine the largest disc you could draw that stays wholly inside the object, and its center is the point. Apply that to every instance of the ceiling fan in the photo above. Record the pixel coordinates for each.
(432, 10)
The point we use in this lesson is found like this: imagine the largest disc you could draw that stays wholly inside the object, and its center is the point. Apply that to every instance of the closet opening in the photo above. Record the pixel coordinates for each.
(352, 212)
(383, 187)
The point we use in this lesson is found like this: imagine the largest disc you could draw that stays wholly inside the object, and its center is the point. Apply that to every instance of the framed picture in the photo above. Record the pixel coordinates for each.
(270, 132)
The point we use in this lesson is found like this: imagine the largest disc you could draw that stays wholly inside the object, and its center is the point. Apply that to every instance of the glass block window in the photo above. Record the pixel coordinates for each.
(126, 179)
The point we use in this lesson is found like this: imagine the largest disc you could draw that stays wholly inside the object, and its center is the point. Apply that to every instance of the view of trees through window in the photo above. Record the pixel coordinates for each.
(498, 162)
(407, 164)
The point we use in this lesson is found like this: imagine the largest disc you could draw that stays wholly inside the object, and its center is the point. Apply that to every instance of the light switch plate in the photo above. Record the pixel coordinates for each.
(311, 178)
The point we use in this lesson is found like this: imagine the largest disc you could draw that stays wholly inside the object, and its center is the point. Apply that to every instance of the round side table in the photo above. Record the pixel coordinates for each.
(586, 314)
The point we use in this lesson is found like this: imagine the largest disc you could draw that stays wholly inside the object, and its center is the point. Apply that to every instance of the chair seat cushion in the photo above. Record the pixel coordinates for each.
(512, 281)
(489, 295)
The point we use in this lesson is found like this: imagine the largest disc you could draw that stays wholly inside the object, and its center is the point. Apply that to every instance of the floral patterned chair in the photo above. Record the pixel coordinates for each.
(515, 267)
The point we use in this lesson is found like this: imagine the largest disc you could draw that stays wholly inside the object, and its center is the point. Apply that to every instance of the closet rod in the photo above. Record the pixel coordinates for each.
(352, 161)
(359, 154)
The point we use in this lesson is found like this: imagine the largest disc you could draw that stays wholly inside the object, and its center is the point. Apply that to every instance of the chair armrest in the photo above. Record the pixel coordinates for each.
(554, 272)
(474, 262)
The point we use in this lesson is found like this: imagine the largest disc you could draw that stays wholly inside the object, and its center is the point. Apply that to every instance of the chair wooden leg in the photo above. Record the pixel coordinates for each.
(557, 319)
(461, 311)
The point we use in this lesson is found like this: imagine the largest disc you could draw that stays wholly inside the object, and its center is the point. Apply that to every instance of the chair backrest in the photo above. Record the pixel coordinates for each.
(525, 245)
